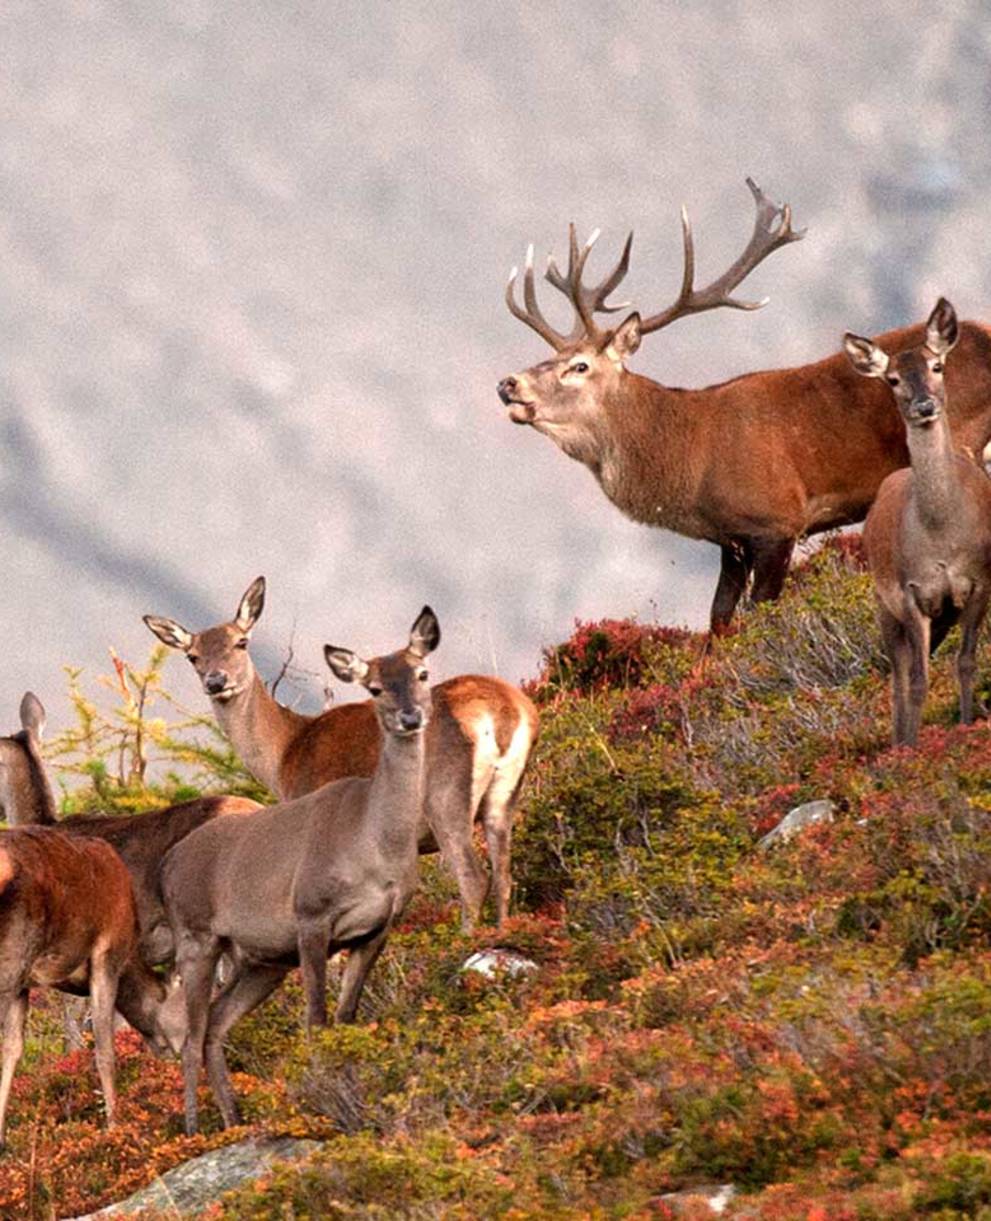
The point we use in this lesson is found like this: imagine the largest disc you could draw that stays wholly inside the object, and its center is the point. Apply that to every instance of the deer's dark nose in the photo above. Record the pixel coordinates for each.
(214, 682)
(926, 409)
(411, 720)
(507, 388)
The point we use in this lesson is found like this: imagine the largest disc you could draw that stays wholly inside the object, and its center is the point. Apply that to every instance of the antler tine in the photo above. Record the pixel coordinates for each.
(588, 300)
(765, 239)
(531, 314)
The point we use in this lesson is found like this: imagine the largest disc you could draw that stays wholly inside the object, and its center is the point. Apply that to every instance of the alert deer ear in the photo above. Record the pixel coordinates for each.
(942, 329)
(424, 635)
(169, 632)
(251, 605)
(866, 357)
(626, 338)
(348, 666)
(33, 714)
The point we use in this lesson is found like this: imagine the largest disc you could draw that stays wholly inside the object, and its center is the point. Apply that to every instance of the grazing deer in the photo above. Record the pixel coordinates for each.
(928, 534)
(295, 883)
(68, 921)
(479, 741)
(141, 840)
(752, 464)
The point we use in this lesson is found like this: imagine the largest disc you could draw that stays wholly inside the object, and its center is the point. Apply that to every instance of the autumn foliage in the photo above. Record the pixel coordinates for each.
(811, 1022)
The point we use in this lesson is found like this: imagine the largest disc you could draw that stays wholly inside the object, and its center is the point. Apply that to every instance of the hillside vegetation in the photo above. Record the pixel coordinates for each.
(810, 1022)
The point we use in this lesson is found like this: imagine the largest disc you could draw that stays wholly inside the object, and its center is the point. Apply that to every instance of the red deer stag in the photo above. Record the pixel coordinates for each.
(480, 737)
(68, 920)
(295, 883)
(752, 464)
(928, 534)
(141, 840)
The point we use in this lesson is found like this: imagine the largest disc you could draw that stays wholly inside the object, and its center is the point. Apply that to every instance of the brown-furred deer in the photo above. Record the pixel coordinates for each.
(752, 464)
(296, 882)
(928, 534)
(141, 840)
(480, 738)
(68, 921)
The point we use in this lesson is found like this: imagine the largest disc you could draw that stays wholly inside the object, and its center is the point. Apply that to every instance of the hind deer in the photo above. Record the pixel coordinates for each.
(480, 738)
(750, 465)
(297, 882)
(68, 921)
(928, 534)
(141, 840)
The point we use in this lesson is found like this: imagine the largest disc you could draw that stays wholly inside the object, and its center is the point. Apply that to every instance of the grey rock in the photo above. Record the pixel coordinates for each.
(717, 1196)
(187, 1189)
(797, 820)
(491, 963)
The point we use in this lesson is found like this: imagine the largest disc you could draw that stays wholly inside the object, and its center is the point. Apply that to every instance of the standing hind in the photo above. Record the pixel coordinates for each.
(928, 534)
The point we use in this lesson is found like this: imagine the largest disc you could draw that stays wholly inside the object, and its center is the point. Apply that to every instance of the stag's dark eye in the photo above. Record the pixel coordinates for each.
(937, 366)
(893, 381)
(580, 367)
(423, 676)
(193, 657)
(242, 644)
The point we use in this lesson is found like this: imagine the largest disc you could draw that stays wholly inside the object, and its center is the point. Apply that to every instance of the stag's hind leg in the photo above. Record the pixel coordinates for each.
(13, 1013)
(735, 562)
(361, 959)
(772, 556)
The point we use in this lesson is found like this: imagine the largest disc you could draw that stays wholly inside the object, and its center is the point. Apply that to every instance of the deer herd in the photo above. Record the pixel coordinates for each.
(186, 919)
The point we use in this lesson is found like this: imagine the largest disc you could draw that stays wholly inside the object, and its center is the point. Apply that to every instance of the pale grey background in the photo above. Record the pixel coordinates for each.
(253, 257)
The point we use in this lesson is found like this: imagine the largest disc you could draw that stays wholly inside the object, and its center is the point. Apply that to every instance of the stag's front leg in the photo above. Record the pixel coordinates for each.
(734, 572)
(313, 941)
(196, 965)
(102, 996)
(771, 560)
(13, 1013)
(361, 959)
(917, 632)
(899, 654)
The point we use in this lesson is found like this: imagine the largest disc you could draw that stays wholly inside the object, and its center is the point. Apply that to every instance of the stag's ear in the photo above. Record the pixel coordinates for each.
(424, 635)
(626, 338)
(865, 356)
(33, 715)
(942, 329)
(348, 666)
(251, 605)
(169, 632)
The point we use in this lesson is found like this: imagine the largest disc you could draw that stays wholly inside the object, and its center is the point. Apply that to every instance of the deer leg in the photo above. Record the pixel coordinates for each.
(497, 819)
(14, 1014)
(313, 941)
(917, 631)
(196, 966)
(897, 649)
(244, 993)
(459, 855)
(102, 996)
(771, 560)
(734, 572)
(361, 959)
(970, 623)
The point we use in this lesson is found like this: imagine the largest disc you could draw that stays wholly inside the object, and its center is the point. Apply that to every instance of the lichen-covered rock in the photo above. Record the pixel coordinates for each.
(188, 1189)
(797, 820)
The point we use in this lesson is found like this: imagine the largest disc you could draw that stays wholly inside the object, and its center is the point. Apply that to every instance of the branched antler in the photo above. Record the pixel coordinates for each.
(772, 228)
(766, 238)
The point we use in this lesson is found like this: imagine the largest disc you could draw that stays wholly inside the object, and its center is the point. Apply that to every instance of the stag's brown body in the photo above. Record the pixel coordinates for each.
(481, 733)
(752, 464)
(68, 920)
(141, 840)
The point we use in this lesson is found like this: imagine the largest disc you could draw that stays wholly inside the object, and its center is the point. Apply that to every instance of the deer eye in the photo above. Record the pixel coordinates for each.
(937, 366)
(579, 367)
(193, 657)
(892, 380)
(423, 676)
(242, 644)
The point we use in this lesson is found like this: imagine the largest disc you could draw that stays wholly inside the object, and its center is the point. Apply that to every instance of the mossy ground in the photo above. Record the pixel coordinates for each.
(811, 1023)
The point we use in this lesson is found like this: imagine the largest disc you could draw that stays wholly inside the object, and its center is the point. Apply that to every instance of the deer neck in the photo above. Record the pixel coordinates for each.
(934, 482)
(395, 797)
(261, 731)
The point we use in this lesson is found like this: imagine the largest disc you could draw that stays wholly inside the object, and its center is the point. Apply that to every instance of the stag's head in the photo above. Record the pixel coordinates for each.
(219, 654)
(399, 683)
(915, 376)
(565, 395)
